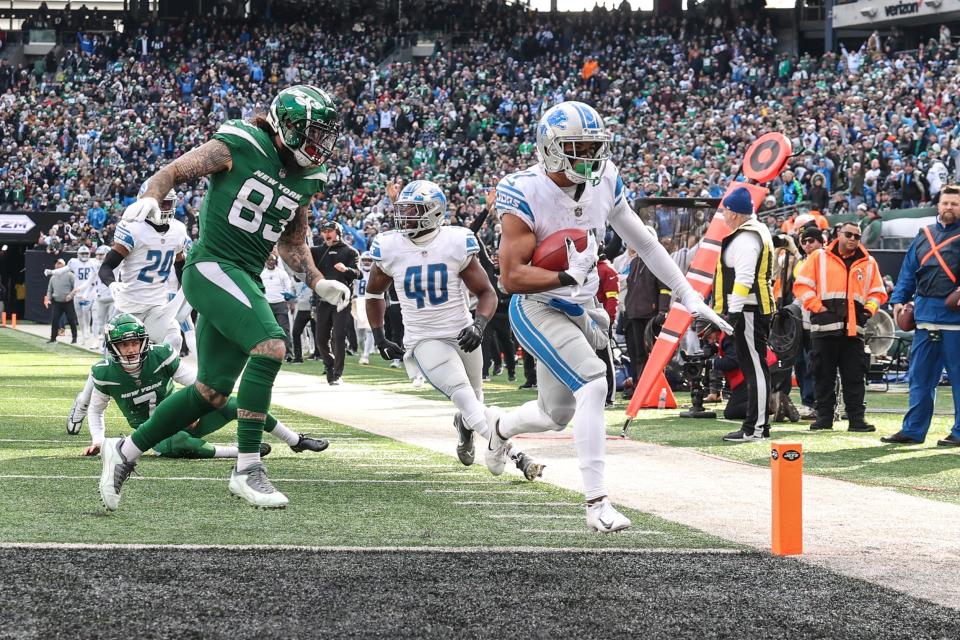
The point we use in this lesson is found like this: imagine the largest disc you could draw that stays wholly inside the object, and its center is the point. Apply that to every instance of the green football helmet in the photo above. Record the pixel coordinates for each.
(123, 327)
(308, 123)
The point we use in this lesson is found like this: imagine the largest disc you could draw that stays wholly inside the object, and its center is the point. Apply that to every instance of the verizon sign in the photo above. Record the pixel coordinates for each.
(15, 224)
(868, 13)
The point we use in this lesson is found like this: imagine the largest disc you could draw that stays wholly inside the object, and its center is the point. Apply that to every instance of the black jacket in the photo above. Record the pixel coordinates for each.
(325, 257)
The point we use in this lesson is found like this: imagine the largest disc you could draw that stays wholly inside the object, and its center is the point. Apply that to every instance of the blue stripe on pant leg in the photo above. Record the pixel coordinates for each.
(537, 344)
(413, 354)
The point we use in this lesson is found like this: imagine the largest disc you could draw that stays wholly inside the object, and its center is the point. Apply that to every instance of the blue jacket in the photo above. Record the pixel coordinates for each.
(926, 308)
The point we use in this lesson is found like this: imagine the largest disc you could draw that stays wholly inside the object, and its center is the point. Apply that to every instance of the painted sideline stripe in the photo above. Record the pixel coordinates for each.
(64, 546)
(543, 516)
(626, 532)
(482, 503)
(507, 492)
(224, 479)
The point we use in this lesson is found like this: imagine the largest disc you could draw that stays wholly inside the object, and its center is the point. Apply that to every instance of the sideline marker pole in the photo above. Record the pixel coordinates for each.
(3, 319)
(786, 468)
(13, 321)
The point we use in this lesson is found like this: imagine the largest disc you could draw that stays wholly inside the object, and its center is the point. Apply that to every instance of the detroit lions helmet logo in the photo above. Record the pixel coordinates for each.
(557, 119)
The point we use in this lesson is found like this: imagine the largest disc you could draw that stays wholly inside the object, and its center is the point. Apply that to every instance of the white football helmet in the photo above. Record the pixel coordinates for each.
(83, 253)
(168, 207)
(366, 261)
(101, 251)
(420, 207)
(572, 138)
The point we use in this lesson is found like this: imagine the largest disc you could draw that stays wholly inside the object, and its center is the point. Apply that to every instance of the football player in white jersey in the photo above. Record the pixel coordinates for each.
(146, 253)
(84, 273)
(433, 267)
(554, 315)
(103, 300)
(364, 334)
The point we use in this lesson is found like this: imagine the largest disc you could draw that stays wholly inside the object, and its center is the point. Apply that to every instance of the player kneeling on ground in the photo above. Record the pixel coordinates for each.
(432, 267)
(138, 375)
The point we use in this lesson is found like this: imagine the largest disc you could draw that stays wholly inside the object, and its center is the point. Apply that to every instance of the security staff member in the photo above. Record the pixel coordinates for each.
(930, 272)
(336, 260)
(841, 287)
(743, 287)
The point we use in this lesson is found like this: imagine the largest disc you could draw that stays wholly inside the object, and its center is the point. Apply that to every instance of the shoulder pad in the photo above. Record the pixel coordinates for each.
(239, 134)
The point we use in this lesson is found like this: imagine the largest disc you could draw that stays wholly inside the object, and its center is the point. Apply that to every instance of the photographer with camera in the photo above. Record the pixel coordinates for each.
(743, 286)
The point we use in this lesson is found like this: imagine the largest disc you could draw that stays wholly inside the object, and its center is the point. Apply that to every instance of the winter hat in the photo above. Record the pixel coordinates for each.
(739, 201)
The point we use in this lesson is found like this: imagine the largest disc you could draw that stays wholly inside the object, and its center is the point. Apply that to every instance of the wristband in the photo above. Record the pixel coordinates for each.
(566, 279)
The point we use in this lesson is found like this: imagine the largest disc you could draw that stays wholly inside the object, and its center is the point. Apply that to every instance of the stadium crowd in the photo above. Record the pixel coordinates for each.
(684, 98)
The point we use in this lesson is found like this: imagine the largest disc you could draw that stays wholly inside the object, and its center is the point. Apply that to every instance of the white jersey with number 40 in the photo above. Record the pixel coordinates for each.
(433, 298)
(148, 266)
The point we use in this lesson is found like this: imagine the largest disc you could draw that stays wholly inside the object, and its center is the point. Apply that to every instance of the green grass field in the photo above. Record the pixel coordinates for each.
(365, 490)
(925, 470)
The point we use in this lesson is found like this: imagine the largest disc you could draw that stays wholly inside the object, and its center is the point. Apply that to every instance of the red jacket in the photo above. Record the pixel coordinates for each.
(609, 292)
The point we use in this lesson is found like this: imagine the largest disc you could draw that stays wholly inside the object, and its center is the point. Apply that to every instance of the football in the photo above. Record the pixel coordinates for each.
(953, 300)
(905, 318)
(551, 254)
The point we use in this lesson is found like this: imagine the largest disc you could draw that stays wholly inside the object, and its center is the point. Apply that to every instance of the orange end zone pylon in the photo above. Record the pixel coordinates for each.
(786, 471)
(765, 160)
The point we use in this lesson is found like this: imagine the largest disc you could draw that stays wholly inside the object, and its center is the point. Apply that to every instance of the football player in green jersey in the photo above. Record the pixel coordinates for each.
(138, 375)
(262, 175)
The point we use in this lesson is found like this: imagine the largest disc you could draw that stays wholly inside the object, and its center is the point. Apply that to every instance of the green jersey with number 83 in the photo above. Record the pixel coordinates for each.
(247, 208)
(137, 396)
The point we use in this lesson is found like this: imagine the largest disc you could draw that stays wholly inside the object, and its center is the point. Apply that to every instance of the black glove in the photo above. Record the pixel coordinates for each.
(388, 350)
(471, 337)
(862, 316)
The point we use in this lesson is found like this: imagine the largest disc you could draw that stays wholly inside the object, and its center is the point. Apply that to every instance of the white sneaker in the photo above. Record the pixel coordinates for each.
(417, 381)
(602, 517)
(75, 418)
(395, 364)
(497, 447)
(115, 472)
(253, 486)
(364, 360)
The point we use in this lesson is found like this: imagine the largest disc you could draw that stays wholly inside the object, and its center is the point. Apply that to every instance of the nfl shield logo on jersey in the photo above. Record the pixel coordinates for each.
(578, 211)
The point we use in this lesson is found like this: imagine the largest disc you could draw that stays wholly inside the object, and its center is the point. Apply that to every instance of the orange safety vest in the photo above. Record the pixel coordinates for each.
(834, 295)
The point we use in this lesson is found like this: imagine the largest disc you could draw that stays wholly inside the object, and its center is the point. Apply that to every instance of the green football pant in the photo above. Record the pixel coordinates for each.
(189, 443)
(234, 317)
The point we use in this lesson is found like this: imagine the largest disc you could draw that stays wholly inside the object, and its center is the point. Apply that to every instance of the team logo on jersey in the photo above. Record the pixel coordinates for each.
(578, 211)
(282, 173)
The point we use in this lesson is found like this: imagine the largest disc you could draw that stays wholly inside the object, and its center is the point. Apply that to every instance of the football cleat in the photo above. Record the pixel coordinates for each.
(116, 470)
(364, 360)
(306, 443)
(465, 449)
(253, 486)
(417, 381)
(496, 456)
(531, 470)
(75, 418)
(265, 449)
(602, 517)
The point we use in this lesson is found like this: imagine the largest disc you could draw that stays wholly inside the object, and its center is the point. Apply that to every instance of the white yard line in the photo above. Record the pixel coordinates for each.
(585, 531)
(224, 479)
(487, 503)
(58, 546)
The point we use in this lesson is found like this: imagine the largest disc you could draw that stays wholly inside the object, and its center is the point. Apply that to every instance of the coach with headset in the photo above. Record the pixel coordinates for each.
(743, 288)
(336, 260)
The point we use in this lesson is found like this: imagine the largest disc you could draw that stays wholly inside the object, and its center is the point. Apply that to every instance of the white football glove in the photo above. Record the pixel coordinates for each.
(336, 293)
(140, 209)
(48, 272)
(697, 307)
(579, 263)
